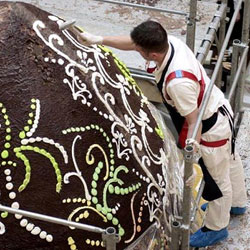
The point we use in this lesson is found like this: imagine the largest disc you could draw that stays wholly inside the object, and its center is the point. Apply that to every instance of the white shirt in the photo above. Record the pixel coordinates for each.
(183, 91)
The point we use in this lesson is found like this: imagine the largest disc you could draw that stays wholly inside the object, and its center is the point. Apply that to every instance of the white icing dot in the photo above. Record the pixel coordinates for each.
(23, 223)
(144, 178)
(45, 139)
(7, 171)
(43, 235)
(12, 195)
(29, 227)
(32, 140)
(18, 216)
(53, 60)
(137, 173)
(8, 178)
(39, 139)
(36, 231)
(24, 141)
(29, 134)
(9, 186)
(111, 118)
(88, 104)
(60, 61)
(57, 145)
(46, 59)
(133, 170)
(15, 205)
(105, 116)
(113, 211)
(116, 208)
(95, 108)
(49, 238)
(148, 180)
(100, 113)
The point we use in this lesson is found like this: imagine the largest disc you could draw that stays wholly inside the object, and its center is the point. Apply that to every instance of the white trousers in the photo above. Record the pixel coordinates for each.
(227, 171)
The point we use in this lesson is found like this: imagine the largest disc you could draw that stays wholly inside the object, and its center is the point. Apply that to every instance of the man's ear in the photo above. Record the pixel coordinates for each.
(154, 55)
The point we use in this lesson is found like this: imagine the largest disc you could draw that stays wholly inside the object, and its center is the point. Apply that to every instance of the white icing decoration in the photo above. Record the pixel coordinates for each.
(60, 61)
(15, 205)
(53, 60)
(30, 226)
(43, 235)
(36, 120)
(46, 59)
(49, 141)
(9, 186)
(23, 223)
(2, 228)
(53, 18)
(8, 178)
(49, 238)
(36, 231)
(7, 171)
(78, 173)
(12, 195)
(18, 216)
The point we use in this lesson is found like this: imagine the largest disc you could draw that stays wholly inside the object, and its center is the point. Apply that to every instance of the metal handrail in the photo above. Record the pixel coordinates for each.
(109, 234)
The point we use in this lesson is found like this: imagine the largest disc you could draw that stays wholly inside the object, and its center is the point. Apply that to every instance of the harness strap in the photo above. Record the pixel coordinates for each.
(214, 144)
(189, 75)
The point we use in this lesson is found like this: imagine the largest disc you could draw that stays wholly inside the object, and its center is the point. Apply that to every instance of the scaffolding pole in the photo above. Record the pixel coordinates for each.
(191, 25)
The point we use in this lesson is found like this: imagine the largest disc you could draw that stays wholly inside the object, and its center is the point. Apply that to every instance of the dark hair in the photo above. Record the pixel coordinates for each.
(150, 36)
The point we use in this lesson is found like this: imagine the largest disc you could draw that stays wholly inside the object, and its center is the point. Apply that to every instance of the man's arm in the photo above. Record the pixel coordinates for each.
(118, 42)
(191, 120)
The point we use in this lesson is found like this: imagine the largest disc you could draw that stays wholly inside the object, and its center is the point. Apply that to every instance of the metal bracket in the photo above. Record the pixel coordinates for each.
(110, 238)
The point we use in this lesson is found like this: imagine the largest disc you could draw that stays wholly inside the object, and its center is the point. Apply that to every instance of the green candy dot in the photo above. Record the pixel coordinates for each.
(126, 190)
(115, 221)
(8, 130)
(33, 100)
(22, 135)
(98, 170)
(104, 134)
(59, 178)
(112, 168)
(104, 211)
(100, 165)
(30, 122)
(99, 207)
(110, 145)
(77, 129)
(27, 176)
(7, 123)
(130, 189)
(88, 127)
(93, 191)
(31, 115)
(109, 216)
(73, 129)
(4, 215)
(121, 231)
(92, 126)
(112, 162)
(111, 189)
(122, 191)
(4, 110)
(93, 184)
(5, 154)
(111, 174)
(5, 117)
(117, 190)
(33, 106)
(64, 132)
(94, 200)
(95, 176)
(26, 128)
(7, 145)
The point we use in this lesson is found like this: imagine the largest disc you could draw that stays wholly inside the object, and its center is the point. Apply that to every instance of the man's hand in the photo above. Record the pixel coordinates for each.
(89, 39)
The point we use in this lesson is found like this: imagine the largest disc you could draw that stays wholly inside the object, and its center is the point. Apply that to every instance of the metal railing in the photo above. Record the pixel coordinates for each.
(109, 236)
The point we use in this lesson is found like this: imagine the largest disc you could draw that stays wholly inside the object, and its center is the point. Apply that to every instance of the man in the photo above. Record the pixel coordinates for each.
(183, 82)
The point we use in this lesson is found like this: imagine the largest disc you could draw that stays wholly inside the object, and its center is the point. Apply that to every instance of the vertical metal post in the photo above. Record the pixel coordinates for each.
(175, 236)
(110, 238)
(187, 195)
(222, 32)
(191, 25)
(235, 57)
(245, 41)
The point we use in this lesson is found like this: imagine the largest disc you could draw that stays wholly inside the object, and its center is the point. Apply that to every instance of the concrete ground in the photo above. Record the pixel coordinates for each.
(107, 19)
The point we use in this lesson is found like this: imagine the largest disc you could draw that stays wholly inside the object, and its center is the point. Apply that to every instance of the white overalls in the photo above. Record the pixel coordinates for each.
(225, 168)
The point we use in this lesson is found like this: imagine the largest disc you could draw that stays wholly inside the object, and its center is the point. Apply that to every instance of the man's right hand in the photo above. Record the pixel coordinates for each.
(89, 39)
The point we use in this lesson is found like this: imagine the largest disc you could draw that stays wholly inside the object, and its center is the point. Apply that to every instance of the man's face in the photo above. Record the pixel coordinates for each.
(145, 54)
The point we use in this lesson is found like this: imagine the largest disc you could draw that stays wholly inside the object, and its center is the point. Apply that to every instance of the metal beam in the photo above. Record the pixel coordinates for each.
(144, 7)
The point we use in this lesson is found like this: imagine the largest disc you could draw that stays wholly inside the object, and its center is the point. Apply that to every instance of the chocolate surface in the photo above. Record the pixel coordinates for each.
(78, 141)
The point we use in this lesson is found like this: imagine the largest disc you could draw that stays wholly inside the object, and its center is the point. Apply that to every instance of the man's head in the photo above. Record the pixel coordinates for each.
(150, 39)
